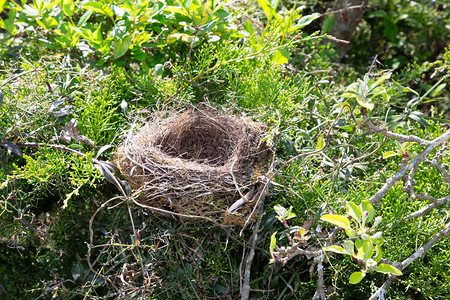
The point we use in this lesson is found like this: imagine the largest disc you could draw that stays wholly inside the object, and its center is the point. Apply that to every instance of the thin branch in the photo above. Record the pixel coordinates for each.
(375, 199)
(320, 293)
(370, 127)
(367, 155)
(347, 8)
(245, 292)
(379, 294)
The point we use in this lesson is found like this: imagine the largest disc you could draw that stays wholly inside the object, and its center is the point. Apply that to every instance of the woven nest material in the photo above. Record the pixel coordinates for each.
(197, 163)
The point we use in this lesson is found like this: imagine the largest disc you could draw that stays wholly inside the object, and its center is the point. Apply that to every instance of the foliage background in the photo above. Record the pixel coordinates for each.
(107, 65)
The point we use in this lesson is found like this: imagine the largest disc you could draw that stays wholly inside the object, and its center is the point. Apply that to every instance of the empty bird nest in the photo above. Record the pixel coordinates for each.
(198, 163)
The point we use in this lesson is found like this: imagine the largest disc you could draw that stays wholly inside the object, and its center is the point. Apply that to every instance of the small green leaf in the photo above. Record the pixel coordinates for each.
(328, 24)
(273, 242)
(121, 46)
(320, 143)
(388, 269)
(281, 56)
(350, 233)
(389, 154)
(379, 254)
(385, 76)
(367, 105)
(356, 277)
(98, 7)
(359, 243)
(367, 206)
(337, 249)
(367, 249)
(68, 7)
(353, 210)
(349, 247)
(159, 69)
(84, 18)
(337, 220)
(306, 20)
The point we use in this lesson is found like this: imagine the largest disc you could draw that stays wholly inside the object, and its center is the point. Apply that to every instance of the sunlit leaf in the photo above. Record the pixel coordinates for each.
(281, 56)
(388, 269)
(68, 7)
(389, 154)
(121, 46)
(356, 277)
(367, 105)
(367, 249)
(306, 20)
(378, 254)
(367, 206)
(353, 210)
(337, 220)
(320, 143)
(273, 242)
(337, 249)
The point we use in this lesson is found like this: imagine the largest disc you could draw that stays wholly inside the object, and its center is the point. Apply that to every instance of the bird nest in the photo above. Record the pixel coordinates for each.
(198, 163)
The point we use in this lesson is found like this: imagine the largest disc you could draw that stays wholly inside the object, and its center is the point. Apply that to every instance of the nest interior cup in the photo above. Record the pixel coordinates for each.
(195, 162)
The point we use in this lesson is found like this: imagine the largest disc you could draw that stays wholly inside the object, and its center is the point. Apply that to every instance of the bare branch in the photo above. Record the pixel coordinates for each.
(419, 253)
(375, 199)
(319, 294)
(245, 292)
(370, 127)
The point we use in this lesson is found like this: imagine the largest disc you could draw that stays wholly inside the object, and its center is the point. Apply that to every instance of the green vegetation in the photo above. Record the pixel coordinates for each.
(77, 77)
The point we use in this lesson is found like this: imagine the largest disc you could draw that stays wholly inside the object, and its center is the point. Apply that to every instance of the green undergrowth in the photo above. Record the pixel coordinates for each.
(64, 112)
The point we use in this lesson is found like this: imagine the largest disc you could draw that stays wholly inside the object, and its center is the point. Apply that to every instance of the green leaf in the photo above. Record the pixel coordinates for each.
(159, 69)
(84, 18)
(349, 247)
(367, 249)
(337, 249)
(356, 277)
(176, 10)
(283, 213)
(389, 154)
(248, 27)
(281, 56)
(379, 91)
(121, 46)
(68, 7)
(337, 220)
(367, 206)
(350, 233)
(388, 269)
(417, 117)
(385, 76)
(377, 14)
(359, 244)
(353, 210)
(306, 20)
(274, 3)
(98, 7)
(273, 242)
(320, 143)
(379, 254)
(367, 105)
(328, 24)
(268, 10)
